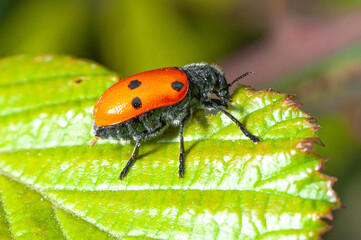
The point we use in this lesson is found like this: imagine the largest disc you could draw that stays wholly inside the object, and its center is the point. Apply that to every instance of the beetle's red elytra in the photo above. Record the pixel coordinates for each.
(144, 105)
(139, 94)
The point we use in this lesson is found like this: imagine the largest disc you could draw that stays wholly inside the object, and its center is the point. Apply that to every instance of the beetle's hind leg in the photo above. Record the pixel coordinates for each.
(131, 160)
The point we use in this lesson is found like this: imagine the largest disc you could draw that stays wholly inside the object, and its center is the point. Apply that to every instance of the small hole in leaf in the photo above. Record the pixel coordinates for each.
(78, 80)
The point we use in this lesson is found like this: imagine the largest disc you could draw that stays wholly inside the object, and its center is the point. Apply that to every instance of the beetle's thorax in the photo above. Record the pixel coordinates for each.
(206, 79)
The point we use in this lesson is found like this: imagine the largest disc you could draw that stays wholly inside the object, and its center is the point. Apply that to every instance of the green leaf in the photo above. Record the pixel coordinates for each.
(53, 186)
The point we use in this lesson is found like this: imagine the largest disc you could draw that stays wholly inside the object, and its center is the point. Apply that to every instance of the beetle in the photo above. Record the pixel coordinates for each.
(142, 106)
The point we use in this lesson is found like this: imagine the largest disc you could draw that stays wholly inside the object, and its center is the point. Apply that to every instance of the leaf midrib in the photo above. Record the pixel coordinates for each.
(246, 140)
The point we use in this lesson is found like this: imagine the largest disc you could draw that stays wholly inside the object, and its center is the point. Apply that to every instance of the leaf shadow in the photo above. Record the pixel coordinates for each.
(149, 152)
(189, 149)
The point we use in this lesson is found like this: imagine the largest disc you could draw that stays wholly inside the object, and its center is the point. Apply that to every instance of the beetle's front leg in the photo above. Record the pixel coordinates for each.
(214, 105)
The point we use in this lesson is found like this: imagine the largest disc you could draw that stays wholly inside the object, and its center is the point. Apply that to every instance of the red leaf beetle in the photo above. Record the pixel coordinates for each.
(144, 105)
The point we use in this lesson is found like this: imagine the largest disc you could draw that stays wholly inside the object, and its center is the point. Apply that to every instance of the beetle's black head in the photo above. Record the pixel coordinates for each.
(206, 80)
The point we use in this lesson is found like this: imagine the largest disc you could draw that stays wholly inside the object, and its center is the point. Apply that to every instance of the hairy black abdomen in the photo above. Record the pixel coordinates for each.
(146, 125)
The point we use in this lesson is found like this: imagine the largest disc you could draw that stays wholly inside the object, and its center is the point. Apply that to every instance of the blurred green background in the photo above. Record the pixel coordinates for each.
(307, 48)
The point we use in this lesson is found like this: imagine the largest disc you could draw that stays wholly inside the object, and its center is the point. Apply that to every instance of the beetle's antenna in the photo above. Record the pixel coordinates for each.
(240, 77)
(94, 141)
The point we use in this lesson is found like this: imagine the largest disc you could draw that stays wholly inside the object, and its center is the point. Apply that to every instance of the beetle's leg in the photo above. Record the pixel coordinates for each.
(136, 150)
(181, 150)
(181, 146)
(131, 160)
(219, 102)
(240, 125)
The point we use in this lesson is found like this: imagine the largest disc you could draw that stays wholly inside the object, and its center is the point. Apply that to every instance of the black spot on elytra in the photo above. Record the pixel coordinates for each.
(136, 103)
(177, 85)
(134, 84)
